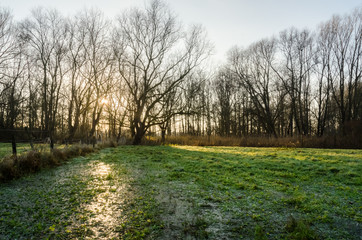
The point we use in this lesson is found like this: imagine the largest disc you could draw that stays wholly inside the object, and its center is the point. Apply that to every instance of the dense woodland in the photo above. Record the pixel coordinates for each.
(144, 73)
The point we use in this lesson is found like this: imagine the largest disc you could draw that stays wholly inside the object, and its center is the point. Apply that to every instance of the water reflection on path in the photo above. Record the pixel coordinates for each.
(105, 210)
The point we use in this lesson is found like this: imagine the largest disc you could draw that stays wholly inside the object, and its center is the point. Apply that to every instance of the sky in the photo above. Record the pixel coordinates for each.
(228, 22)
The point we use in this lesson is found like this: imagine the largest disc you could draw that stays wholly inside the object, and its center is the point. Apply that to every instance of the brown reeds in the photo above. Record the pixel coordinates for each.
(12, 167)
(348, 142)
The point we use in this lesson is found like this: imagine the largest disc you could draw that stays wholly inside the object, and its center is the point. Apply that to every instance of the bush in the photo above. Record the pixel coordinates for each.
(106, 144)
(29, 162)
(7, 168)
(60, 154)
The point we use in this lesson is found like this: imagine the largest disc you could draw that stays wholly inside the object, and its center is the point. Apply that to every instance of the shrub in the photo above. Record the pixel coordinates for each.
(60, 154)
(7, 168)
(29, 162)
(109, 143)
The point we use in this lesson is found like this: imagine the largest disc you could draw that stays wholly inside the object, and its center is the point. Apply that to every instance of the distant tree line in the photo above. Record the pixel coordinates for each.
(143, 73)
(300, 83)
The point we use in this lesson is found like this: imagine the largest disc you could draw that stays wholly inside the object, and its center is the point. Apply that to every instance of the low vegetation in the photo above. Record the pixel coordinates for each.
(349, 142)
(32, 160)
(135, 192)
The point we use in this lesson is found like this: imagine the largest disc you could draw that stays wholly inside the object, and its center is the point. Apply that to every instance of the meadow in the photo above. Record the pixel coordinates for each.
(189, 192)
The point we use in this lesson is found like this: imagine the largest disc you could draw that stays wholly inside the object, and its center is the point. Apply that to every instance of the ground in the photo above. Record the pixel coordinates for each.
(184, 192)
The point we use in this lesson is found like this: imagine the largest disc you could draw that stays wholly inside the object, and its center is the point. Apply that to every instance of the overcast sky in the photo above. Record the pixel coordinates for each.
(228, 22)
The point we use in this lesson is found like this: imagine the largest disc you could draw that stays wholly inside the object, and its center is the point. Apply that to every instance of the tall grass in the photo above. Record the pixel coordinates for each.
(32, 161)
(307, 142)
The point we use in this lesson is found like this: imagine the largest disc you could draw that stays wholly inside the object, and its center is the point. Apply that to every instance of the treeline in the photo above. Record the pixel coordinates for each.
(302, 82)
(143, 73)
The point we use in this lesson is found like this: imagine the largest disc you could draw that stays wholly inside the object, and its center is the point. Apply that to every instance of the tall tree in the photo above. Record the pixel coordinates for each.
(254, 70)
(225, 87)
(7, 49)
(297, 48)
(46, 33)
(98, 66)
(152, 49)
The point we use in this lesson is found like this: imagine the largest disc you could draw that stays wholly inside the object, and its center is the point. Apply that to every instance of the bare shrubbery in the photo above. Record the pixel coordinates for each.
(32, 161)
(308, 142)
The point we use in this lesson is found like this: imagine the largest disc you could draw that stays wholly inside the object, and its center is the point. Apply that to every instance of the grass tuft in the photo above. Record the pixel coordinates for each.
(196, 228)
(260, 233)
(299, 230)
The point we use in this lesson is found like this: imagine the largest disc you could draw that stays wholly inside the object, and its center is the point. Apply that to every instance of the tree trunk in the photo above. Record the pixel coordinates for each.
(163, 135)
(137, 139)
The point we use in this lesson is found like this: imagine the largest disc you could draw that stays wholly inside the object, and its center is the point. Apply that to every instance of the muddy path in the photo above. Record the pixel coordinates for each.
(86, 199)
(118, 193)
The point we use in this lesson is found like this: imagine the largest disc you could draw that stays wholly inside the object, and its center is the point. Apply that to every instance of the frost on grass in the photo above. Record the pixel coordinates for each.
(105, 209)
(81, 199)
(164, 192)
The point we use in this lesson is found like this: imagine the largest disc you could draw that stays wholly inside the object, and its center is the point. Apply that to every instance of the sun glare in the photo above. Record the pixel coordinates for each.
(104, 101)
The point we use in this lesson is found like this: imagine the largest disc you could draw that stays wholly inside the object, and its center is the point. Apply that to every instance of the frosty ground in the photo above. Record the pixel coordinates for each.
(184, 192)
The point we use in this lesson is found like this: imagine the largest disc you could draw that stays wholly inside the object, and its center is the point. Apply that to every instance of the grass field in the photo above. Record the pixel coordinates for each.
(183, 192)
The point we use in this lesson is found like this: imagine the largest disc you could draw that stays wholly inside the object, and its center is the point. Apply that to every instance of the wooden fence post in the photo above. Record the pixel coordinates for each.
(51, 144)
(30, 138)
(13, 144)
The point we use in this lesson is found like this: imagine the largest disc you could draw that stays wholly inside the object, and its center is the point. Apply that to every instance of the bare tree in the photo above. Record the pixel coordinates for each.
(45, 33)
(7, 46)
(193, 102)
(225, 87)
(298, 55)
(76, 87)
(152, 49)
(324, 76)
(346, 64)
(254, 70)
(98, 67)
(169, 107)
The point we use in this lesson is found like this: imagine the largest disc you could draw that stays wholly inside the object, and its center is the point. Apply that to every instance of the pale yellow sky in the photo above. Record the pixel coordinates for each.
(228, 22)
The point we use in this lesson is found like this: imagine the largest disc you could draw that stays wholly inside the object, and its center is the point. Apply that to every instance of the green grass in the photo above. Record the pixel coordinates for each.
(5, 148)
(135, 192)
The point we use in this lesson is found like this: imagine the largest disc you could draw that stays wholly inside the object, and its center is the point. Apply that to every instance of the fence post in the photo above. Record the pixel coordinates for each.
(13, 144)
(30, 138)
(51, 144)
